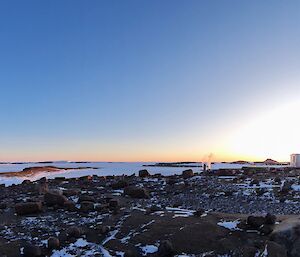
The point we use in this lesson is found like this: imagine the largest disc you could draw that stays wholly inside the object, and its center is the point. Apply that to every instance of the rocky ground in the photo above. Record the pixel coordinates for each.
(249, 212)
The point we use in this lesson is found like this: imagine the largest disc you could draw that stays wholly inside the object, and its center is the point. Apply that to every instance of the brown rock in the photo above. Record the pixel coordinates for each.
(187, 173)
(120, 184)
(270, 219)
(113, 203)
(86, 198)
(71, 192)
(28, 208)
(166, 249)
(53, 243)
(74, 232)
(144, 173)
(32, 250)
(52, 198)
(255, 222)
(70, 206)
(276, 250)
(87, 206)
(136, 192)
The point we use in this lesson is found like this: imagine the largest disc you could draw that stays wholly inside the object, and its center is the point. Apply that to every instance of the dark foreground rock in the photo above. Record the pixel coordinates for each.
(28, 208)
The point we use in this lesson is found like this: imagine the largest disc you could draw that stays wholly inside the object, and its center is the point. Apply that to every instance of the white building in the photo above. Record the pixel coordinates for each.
(295, 160)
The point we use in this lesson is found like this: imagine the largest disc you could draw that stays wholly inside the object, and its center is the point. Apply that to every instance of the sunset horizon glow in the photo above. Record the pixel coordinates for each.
(158, 81)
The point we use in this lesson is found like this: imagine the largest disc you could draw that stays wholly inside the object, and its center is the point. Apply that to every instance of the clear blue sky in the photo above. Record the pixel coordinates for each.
(141, 80)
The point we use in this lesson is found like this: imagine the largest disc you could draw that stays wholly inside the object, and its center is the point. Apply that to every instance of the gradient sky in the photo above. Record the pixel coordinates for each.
(149, 80)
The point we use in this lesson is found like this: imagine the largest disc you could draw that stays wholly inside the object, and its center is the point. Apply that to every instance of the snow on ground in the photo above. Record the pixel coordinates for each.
(231, 225)
(180, 212)
(149, 249)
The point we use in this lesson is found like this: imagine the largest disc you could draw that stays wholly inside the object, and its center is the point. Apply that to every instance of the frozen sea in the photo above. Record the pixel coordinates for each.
(104, 169)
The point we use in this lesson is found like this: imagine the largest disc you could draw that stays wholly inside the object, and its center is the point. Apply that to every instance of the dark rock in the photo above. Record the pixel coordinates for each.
(270, 219)
(70, 206)
(130, 253)
(276, 250)
(254, 182)
(54, 197)
(144, 173)
(136, 192)
(255, 222)
(31, 250)
(198, 212)
(74, 232)
(53, 243)
(3, 206)
(166, 249)
(102, 208)
(248, 251)
(113, 203)
(42, 188)
(86, 206)
(43, 180)
(277, 180)
(187, 173)
(120, 184)
(266, 229)
(103, 230)
(86, 198)
(28, 208)
(286, 187)
(71, 192)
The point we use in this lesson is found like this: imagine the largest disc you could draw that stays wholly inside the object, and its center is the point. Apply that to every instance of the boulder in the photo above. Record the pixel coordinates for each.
(42, 188)
(70, 206)
(54, 197)
(74, 232)
(276, 250)
(103, 230)
(270, 219)
(120, 184)
(144, 173)
(32, 250)
(255, 222)
(87, 206)
(28, 208)
(86, 198)
(53, 243)
(187, 173)
(266, 229)
(166, 249)
(113, 203)
(136, 192)
(286, 187)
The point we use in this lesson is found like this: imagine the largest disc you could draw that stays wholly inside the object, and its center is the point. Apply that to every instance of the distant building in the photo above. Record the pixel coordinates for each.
(295, 160)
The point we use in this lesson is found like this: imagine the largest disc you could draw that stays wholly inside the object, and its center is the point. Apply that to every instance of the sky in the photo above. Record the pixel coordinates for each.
(149, 80)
